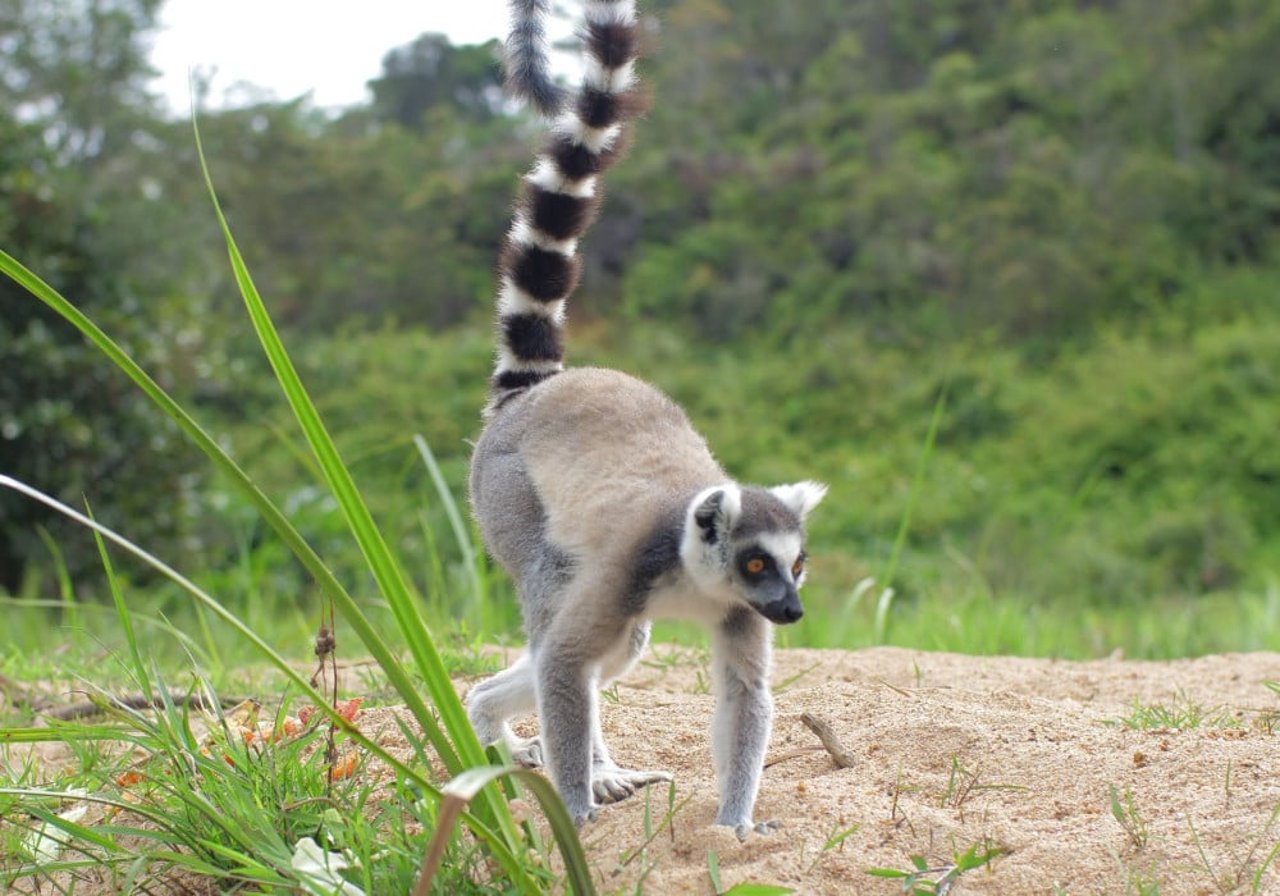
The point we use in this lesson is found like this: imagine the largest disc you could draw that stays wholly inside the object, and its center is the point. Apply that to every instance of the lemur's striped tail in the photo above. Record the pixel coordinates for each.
(528, 74)
(538, 267)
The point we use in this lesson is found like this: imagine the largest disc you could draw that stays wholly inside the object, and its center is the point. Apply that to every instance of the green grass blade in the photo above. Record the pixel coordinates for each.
(386, 571)
(460, 533)
(324, 577)
(462, 789)
(139, 668)
(226, 616)
(382, 564)
(505, 847)
(713, 871)
(56, 733)
(904, 525)
(66, 591)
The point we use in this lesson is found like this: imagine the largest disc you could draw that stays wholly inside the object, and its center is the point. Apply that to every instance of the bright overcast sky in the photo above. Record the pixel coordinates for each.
(291, 47)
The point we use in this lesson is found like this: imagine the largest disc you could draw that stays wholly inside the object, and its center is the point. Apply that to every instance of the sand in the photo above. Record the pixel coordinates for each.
(949, 753)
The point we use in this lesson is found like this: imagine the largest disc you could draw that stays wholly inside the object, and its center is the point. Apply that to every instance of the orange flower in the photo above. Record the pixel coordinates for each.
(345, 767)
(348, 709)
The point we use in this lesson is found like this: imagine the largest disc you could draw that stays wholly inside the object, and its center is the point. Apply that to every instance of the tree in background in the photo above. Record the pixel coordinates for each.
(431, 72)
(387, 212)
(76, 123)
(1031, 178)
(1033, 169)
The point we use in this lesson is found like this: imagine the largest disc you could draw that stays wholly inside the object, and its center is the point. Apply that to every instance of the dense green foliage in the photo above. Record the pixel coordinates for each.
(1061, 216)
(77, 136)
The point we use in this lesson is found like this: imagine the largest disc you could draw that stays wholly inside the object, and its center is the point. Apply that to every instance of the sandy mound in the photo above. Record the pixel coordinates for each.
(950, 751)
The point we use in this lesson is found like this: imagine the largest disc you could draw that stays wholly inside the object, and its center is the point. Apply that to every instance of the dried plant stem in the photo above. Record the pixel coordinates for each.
(843, 758)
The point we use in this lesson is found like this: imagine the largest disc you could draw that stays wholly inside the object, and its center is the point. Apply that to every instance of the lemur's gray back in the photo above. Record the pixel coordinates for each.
(538, 266)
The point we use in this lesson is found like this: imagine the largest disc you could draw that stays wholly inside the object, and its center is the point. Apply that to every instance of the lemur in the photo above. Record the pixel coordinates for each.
(593, 490)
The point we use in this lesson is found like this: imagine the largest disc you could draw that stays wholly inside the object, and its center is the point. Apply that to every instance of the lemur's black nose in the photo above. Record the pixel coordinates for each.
(784, 611)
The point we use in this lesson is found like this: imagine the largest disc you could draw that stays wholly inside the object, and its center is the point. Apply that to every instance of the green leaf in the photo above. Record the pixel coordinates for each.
(713, 870)
(463, 788)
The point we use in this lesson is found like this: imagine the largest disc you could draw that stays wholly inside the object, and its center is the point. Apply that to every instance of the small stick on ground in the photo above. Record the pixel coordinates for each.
(843, 758)
(133, 701)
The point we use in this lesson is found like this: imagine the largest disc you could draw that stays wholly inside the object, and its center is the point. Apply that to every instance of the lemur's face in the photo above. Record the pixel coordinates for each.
(748, 543)
(767, 571)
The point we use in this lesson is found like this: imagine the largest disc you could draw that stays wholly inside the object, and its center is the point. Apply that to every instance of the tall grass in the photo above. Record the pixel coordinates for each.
(442, 720)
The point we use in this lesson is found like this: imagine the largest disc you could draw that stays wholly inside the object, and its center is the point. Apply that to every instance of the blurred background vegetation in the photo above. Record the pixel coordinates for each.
(1059, 218)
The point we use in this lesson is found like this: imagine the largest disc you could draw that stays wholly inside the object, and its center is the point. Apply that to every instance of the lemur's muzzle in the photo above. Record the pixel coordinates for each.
(784, 611)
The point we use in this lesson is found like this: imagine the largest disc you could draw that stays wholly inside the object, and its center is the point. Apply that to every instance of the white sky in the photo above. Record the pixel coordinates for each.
(291, 47)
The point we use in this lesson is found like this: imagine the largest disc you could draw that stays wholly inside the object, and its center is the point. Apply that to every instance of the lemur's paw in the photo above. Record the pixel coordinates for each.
(527, 751)
(581, 818)
(612, 785)
(745, 829)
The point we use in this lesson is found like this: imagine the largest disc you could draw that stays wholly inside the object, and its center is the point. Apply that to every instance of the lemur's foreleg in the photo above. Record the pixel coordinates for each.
(740, 652)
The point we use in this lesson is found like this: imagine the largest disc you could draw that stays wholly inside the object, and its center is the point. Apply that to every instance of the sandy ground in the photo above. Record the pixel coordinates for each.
(950, 751)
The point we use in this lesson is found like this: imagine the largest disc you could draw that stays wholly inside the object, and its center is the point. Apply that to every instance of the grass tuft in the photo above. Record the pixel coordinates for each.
(230, 809)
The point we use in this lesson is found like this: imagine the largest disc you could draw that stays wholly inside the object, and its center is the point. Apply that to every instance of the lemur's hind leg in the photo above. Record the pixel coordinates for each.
(614, 666)
(495, 700)
(564, 666)
(609, 782)
(512, 692)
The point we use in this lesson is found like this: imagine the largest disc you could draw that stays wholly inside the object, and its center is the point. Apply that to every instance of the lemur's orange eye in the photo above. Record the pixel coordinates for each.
(755, 566)
(797, 568)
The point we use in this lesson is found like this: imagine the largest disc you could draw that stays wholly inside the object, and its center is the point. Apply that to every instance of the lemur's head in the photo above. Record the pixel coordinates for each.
(750, 543)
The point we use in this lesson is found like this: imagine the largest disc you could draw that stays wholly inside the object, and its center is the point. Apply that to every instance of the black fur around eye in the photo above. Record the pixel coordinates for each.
(797, 568)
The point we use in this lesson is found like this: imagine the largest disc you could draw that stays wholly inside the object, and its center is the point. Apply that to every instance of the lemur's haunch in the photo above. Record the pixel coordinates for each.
(594, 491)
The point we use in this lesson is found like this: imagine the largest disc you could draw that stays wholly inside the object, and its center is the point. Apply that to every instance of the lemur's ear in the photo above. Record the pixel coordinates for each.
(801, 497)
(715, 511)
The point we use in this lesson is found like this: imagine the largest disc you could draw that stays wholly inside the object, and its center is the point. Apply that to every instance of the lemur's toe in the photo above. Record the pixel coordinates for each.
(746, 829)
(612, 785)
(527, 752)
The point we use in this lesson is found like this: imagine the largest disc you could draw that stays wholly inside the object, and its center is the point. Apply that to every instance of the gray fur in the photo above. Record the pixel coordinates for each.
(598, 497)
(595, 493)
(763, 512)
(740, 653)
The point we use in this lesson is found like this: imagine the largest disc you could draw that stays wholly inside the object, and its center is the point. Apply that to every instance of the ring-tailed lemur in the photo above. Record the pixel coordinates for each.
(595, 493)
